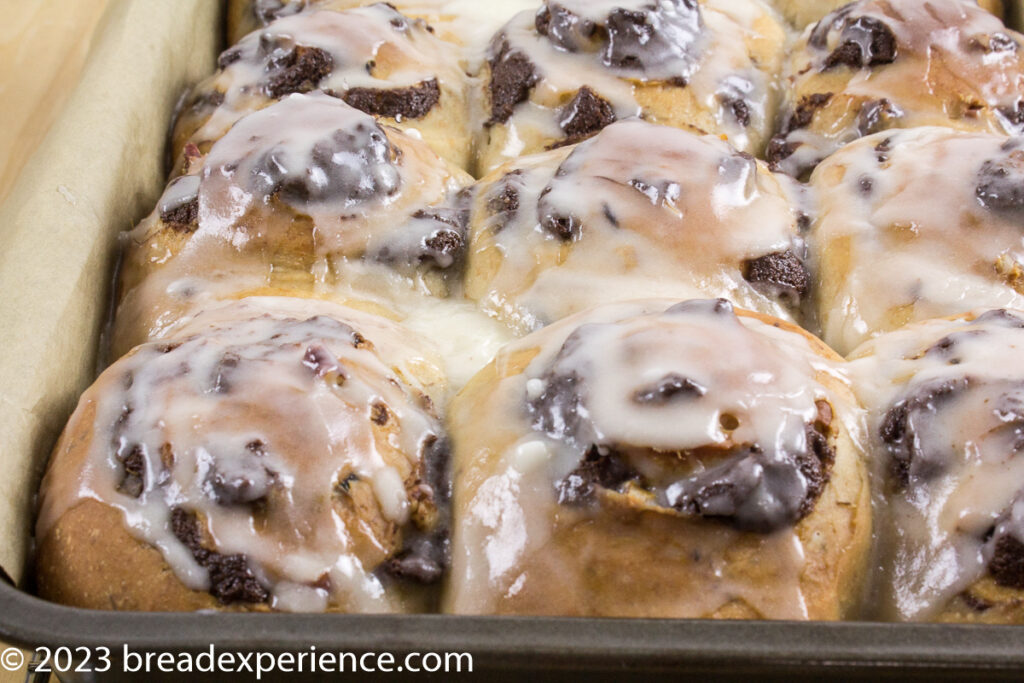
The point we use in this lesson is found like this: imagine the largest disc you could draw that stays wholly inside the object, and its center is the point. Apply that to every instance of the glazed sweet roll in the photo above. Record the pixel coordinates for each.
(800, 13)
(277, 454)
(468, 23)
(373, 58)
(879, 64)
(916, 224)
(308, 197)
(659, 459)
(639, 210)
(558, 75)
(946, 405)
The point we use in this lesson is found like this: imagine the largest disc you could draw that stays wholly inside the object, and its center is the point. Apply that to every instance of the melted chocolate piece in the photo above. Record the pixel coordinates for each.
(379, 414)
(974, 602)
(994, 42)
(299, 70)
(413, 102)
(876, 116)
(669, 388)
(882, 149)
(864, 42)
(565, 30)
(503, 199)
(586, 114)
(413, 567)
(267, 11)
(1002, 317)
(781, 275)
(229, 57)
(1007, 563)
(133, 483)
(231, 579)
(446, 245)
(805, 110)
(1001, 183)
(654, 37)
(556, 411)
(905, 430)
(600, 467)
(321, 361)
(356, 165)
(658, 192)
(740, 110)
(778, 150)
(182, 218)
(1014, 115)
(513, 75)
(565, 227)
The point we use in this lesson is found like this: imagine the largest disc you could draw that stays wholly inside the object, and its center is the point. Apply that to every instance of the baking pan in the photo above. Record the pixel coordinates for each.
(97, 173)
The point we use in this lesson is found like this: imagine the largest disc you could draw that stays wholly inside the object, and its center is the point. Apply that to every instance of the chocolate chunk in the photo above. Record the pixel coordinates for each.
(833, 21)
(1014, 115)
(133, 483)
(1001, 317)
(379, 414)
(1007, 563)
(781, 274)
(659, 36)
(669, 388)
(223, 370)
(882, 149)
(584, 115)
(778, 150)
(321, 361)
(659, 191)
(231, 579)
(740, 110)
(865, 184)
(864, 42)
(877, 115)
(415, 568)
(446, 245)
(974, 602)
(353, 165)
(554, 221)
(247, 481)
(513, 75)
(556, 412)
(299, 70)
(907, 433)
(993, 42)
(503, 199)
(752, 491)
(182, 218)
(600, 467)
(413, 102)
(1001, 183)
(564, 29)
(805, 110)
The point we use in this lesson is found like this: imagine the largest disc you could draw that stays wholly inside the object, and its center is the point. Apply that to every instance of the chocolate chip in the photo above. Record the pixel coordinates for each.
(833, 21)
(1001, 317)
(182, 218)
(702, 307)
(1013, 114)
(609, 214)
(321, 361)
(740, 110)
(503, 199)
(223, 370)
(556, 411)
(778, 150)
(133, 483)
(877, 115)
(413, 102)
(345, 485)
(974, 602)
(658, 192)
(564, 29)
(245, 482)
(1001, 183)
(805, 110)
(993, 42)
(554, 221)
(513, 75)
(584, 115)
(379, 414)
(669, 388)
(446, 245)
(600, 467)
(781, 274)
(1007, 563)
(905, 430)
(661, 35)
(882, 149)
(231, 579)
(416, 568)
(356, 164)
(864, 42)
(267, 11)
(299, 70)
(865, 184)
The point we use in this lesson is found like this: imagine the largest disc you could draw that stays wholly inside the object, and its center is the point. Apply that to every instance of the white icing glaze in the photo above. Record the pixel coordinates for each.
(372, 47)
(678, 220)
(707, 48)
(960, 442)
(942, 75)
(516, 520)
(270, 401)
(919, 242)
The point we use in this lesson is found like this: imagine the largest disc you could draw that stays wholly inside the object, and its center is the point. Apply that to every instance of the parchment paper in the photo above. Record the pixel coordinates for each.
(97, 172)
